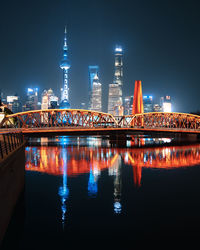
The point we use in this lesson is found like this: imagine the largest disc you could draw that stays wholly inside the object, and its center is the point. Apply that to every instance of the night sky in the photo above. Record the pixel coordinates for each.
(161, 41)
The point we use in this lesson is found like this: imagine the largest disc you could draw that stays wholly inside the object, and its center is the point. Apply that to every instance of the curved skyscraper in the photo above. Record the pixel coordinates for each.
(65, 65)
(115, 89)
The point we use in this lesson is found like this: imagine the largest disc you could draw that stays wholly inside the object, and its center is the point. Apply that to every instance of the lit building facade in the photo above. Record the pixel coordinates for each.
(31, 100)
(115, 101)
(148, 103)
(128, 105)
(49, 100)
(65, 65)
(96, 95)
(166, 104)
(14, 104)
(93, 71)
(157, 108)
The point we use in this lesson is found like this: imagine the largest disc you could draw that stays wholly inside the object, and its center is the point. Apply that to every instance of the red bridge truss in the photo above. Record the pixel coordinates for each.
(59, 118)
(76, 119)
(161, 120)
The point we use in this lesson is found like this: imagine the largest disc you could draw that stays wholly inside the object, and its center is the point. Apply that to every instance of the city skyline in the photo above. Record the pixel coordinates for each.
(164, 55)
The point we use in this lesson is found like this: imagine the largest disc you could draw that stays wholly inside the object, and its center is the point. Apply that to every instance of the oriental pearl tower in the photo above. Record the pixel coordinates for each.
(65, 65)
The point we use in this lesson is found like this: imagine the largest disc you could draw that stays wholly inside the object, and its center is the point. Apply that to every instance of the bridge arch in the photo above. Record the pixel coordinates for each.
(156, 120)
(59, 118)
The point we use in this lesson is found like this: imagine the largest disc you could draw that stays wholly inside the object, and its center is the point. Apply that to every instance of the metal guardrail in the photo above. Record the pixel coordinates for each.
(9, 142)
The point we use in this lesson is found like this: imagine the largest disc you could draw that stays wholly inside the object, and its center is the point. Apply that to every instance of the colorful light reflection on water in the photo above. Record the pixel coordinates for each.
(71, 157)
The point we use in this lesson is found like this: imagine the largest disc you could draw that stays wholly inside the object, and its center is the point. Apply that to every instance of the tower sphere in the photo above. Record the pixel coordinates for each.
(65, 64)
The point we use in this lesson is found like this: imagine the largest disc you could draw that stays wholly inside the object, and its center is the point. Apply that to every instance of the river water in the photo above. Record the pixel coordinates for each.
(85, 190)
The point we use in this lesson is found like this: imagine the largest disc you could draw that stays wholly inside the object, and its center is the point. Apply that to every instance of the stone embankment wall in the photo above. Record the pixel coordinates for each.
(12, 175)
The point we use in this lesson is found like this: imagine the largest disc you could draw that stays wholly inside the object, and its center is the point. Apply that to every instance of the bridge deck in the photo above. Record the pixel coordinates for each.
(101, 131)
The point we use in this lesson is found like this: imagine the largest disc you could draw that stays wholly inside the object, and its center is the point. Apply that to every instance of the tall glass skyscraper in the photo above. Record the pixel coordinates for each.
(96, 95)
(93, 78)
(148, 103)
(115, 89)
(31, 100)
(65, 65)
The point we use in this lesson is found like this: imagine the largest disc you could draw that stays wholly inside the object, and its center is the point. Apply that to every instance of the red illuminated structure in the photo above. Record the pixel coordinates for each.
(138, 99)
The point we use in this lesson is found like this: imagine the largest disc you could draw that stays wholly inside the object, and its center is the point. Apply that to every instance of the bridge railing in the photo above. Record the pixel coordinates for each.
(10, 142)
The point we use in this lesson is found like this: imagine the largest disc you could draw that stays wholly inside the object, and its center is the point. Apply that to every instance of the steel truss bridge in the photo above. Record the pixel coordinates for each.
(80, 121)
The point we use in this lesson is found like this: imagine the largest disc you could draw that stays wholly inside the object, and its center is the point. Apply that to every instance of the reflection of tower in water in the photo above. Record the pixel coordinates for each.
(63, 190)
(93, 176)
(117, 191)
(115, 170)
(92, 184)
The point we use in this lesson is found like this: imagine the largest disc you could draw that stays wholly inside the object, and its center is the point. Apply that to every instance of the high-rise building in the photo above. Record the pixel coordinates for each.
(115, 89)
(118, 76)
(148, 103)
(2, 97)
(157, 108)
(53, 102)
(65, 65)
(14, 104)
(45, 101)
(31, 100)
(128, 105)
(96, 95)
(49, 100)
(166, 104)
(93, 71)
(114, 97)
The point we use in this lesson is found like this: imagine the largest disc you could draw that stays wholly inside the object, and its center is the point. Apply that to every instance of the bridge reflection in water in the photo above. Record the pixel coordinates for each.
(71, 161)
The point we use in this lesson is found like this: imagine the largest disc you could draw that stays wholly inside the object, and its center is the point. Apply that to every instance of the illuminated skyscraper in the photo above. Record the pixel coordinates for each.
(115, 89)
(128, 105)
(96, 95)
(157, 108)
(14, 104)
(49, 100)
(166, 103)
(118, 66)
(65, 65)
(148, 103)
(31, 100)
(93, 71)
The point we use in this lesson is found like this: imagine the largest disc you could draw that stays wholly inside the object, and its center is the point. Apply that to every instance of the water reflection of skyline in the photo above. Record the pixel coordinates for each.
(71, 161)
(81, 160)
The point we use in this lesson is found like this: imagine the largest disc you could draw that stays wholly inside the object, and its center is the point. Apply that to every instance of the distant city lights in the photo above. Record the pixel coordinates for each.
(167, 107)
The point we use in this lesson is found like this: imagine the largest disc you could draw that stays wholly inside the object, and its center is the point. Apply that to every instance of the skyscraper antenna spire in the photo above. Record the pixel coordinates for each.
(65, 65)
